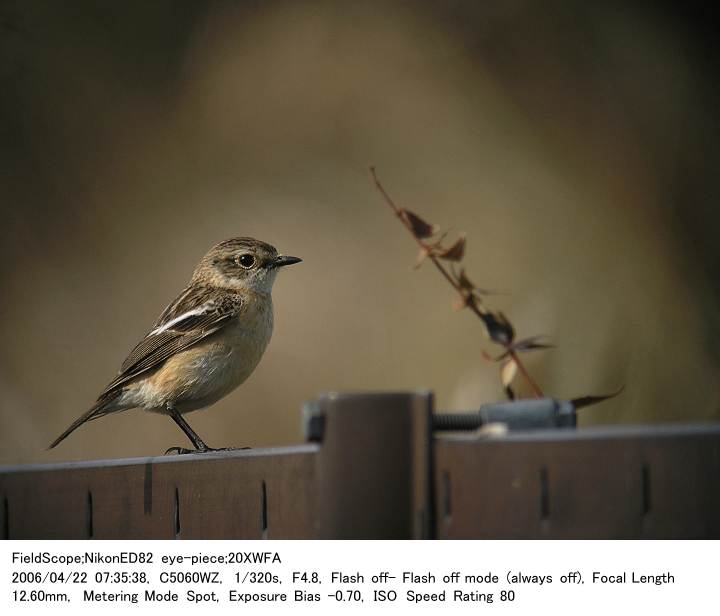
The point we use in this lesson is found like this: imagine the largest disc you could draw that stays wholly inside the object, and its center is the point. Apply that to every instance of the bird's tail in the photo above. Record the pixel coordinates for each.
(97, 410)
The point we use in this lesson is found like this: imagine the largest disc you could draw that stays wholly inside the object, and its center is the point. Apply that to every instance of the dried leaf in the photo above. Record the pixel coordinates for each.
(584, 401)
(456, 252)
(487, 357)
(465, 289)
(507, 323)
(464, 282)
(507, 374)
(465, 301)
(479, 292)
(429, 250)
(420, 229)
(423, 254)
(499, 329)
(531, 344)
(461, 302)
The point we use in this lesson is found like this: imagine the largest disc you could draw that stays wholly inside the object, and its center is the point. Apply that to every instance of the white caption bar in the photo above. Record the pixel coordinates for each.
(351, 577)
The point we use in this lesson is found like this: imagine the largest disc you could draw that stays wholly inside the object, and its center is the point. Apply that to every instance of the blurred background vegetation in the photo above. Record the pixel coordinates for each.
(575, 143)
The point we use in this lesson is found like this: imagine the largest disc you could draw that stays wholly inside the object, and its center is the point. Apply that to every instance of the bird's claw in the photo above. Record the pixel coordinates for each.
(179, 451)
(182, 450)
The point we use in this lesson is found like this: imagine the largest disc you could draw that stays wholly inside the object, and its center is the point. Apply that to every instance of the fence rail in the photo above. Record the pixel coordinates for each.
(650, 482)
(379, 472)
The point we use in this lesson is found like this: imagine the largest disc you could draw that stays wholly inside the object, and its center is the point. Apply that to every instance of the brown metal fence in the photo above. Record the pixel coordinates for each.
(379, 472)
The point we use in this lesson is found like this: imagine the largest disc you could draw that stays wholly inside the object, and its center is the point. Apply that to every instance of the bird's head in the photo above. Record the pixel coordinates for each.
(242, 263)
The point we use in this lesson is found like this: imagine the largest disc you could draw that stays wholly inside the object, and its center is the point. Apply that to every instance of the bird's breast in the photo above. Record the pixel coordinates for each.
(209, 370)
(246, 338)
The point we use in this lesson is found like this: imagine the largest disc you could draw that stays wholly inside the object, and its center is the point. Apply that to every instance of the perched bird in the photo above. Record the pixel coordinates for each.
(204, 344)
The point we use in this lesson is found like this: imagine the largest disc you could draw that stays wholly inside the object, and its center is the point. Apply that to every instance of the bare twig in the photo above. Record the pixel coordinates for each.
(499, 328)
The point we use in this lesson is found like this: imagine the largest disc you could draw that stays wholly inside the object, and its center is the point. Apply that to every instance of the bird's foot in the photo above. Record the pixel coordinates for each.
(183, 450)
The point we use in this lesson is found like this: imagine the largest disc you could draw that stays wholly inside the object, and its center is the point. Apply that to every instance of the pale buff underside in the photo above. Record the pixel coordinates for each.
(201, 375)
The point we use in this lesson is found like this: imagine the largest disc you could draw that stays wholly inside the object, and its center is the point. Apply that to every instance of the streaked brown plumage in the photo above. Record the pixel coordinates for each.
(204, 344)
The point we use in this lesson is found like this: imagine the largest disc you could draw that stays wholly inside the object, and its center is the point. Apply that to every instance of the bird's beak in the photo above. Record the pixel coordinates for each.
(283, 260)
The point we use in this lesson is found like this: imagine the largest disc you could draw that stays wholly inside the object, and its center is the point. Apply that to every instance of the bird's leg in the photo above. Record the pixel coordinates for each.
(200, 446)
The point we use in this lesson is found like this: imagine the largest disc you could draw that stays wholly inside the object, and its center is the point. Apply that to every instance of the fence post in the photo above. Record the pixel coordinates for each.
(374, 466)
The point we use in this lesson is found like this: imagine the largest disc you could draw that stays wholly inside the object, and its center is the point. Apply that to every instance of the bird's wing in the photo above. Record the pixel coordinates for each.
(191, 297)
(196, 314)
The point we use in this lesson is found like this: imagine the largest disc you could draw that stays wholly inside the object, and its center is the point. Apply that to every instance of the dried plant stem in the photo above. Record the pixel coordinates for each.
(469, 302)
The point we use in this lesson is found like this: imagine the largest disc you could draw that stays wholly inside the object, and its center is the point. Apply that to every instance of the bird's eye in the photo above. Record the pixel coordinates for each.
(246, 261)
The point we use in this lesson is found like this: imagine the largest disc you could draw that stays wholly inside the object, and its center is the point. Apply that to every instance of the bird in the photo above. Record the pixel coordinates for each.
(204, 344)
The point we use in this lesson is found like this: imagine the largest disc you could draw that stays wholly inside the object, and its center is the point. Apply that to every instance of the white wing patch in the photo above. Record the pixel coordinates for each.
(195, 312)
